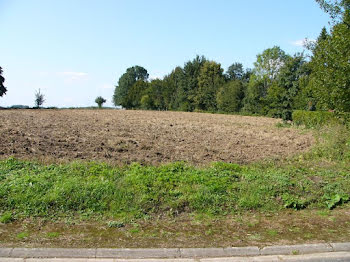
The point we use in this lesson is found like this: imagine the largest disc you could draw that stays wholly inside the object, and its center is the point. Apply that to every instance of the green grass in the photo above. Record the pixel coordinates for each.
(318, 179)
(23, 235)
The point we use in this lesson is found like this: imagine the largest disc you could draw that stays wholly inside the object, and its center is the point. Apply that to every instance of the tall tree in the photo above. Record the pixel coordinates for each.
(2, 87)
(230, 96)
(330, 78)
(266, 70)
(135, 93)
(268, 65)
(125, 82)
(175, 92)
(283, 92)
(337, 9)
(235, 71)
(189, 87)
(210, 79)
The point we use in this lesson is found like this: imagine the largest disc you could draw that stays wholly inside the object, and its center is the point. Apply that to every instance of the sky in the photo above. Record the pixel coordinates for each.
(76, 50)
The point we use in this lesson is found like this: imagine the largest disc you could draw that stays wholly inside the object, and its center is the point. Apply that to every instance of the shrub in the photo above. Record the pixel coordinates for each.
(314, 119)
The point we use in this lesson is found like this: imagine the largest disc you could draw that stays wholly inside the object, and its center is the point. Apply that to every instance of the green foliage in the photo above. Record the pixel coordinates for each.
(331, 68)
(268, 65)
(278, 84)
(2, 87)
(314, 119)
(293, 202)
(189, 87)
(6, 217)
(22, 235)
(53, 234)
(125, 83)
(210, 79)
(336, 199)
(267, 69)
(116, 224)
(39, 99)
(336, 9)
(135, 93)
(285, 89)
(230, 97)
(100, 101)
(235, 71)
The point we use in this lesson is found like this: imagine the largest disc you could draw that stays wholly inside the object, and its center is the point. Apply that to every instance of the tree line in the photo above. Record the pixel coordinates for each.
(278, 84)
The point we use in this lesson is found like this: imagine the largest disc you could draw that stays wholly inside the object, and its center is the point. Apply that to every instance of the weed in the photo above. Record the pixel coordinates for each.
(116, 224)
(295, 252)
(6, 218)
(23, 235)
(272, 232)
(53, 234)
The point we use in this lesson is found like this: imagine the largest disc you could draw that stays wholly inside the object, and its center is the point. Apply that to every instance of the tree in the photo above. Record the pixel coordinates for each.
(210, 79)
(2, 87)
(100, 101)
(39, 99)
(283, 92)
(330, 78)
(189, 85)
(235, 71)
(125, 83)
(135, 93)
(173, 84)
(266, 70)
(268, 65)
(337, 9)
(156, 92)
(230, 96)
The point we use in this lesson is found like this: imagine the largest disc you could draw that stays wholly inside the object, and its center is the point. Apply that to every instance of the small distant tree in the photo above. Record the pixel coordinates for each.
(100, 101)
(2, 87)
(39, 99)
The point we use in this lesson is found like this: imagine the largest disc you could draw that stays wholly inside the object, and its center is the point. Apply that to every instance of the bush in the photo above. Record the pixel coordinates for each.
(314, 119)
(19, 107)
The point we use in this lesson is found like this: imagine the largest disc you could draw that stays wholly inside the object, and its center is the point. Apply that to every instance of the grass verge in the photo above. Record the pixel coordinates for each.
(120, 197)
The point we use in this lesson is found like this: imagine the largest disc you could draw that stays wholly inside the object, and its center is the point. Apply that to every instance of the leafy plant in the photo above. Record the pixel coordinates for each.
(6, 218)
(335, 200)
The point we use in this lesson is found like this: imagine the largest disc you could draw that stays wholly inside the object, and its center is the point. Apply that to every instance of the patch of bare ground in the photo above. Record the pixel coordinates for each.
(282, 228)
(148, 137)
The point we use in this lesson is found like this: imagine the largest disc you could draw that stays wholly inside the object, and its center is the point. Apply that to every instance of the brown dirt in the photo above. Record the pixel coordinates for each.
(149, 137)
(249, 229)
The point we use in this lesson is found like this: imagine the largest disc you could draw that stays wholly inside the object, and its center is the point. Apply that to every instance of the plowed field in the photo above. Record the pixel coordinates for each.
(149, 137)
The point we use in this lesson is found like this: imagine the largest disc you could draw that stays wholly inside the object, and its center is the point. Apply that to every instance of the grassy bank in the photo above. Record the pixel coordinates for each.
(318, 179)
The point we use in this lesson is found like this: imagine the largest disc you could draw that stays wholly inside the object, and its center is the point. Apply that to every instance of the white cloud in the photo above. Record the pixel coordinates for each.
(73, 75)
(300, 42)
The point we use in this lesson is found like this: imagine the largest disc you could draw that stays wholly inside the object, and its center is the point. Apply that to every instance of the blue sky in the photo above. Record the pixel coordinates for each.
(76, 50)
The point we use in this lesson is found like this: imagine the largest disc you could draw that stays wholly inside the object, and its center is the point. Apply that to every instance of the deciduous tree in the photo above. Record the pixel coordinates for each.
(100, 101)
(39, 99)
(2, 87)
(125, 83)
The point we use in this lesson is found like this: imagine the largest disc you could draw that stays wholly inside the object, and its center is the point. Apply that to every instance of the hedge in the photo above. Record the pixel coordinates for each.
(312, 119)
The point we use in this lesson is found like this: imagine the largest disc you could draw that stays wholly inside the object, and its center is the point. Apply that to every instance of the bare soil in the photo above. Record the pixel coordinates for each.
(147, 137)
(249, 229)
